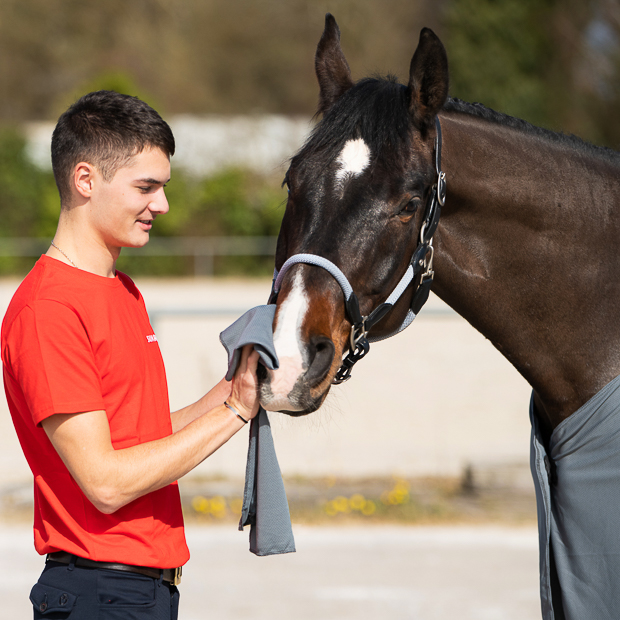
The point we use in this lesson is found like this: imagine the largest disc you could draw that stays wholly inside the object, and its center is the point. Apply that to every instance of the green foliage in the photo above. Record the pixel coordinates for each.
(499, 54)
(535, 59)
(194, 56)
(29, 201)
(539, 60)
(233, 202)
(118, 80)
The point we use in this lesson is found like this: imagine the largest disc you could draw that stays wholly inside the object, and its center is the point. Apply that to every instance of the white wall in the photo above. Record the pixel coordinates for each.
(426, 402)
(206, 144)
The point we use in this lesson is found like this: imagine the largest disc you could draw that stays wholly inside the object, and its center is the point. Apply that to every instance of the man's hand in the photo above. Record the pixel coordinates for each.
(244, 389)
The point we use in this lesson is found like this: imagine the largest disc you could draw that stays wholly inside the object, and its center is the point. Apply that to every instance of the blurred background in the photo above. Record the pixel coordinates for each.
(433, 427)
(235, 79)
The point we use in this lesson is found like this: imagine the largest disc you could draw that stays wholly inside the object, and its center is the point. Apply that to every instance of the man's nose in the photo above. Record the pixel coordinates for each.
(159, 204)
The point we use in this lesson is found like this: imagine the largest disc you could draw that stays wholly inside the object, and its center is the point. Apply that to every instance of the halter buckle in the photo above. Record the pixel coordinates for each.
(355, 354)
(442, 188)
(429, 273)
(358, 332)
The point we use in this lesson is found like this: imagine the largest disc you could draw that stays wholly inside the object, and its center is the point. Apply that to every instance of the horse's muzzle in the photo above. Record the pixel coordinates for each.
(299, 391)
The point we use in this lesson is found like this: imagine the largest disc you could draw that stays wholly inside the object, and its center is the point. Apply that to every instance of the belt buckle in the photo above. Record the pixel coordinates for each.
(176, 576)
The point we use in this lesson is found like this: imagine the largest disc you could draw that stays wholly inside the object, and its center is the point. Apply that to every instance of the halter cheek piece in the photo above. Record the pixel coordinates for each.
(421, 263)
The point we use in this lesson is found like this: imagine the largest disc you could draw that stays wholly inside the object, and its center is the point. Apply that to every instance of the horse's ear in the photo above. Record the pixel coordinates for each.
(428, 79)
(332, 69)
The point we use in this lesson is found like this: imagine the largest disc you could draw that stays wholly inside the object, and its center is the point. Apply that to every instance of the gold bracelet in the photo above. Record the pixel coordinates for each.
(236, 412)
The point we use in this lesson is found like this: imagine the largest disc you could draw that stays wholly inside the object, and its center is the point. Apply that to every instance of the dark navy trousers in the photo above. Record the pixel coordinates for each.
(79, 593)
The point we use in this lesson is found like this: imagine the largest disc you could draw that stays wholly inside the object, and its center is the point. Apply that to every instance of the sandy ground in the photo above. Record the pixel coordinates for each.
(383, 573)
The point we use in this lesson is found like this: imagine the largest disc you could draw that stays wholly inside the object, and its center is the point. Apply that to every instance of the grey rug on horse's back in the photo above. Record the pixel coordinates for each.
(577, 485)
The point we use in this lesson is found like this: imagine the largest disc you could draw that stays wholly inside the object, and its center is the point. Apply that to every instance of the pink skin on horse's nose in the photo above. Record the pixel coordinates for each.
(281, 382)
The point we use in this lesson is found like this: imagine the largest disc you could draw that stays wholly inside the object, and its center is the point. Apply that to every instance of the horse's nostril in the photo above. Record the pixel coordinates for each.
(261, 373)
(321, 354)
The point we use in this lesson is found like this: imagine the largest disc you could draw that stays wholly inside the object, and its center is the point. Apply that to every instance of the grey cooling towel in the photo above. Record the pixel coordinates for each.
(578, 497)
(265, 507)
(254, 327)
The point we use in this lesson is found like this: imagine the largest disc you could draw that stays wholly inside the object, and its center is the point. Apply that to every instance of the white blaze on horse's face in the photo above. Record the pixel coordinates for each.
(288, 344)
(353, 160)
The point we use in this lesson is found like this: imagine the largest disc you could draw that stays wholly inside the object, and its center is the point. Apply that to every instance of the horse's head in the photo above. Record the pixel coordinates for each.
(358, 191)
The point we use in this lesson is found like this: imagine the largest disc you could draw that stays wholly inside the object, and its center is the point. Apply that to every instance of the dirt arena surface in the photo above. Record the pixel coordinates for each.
(383, 573)
(435, 403)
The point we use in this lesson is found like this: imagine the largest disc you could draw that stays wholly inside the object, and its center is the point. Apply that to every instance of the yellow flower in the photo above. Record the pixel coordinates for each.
(201, 504)
(368, 508)
(330, 510)
(341, 504)
(357, 501)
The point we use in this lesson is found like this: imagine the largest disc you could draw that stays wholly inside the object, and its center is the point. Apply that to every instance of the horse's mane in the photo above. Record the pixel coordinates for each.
(376, 109)
(570, 140)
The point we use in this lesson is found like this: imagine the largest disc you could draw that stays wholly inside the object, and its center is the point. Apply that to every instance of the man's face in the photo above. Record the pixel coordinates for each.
(123, 210)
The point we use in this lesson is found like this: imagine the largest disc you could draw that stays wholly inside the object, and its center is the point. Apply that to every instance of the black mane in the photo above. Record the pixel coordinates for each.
(570, 140)
(375, 110)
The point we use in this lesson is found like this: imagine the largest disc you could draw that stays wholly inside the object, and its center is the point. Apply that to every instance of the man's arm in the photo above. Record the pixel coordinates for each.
(113, 478)
(216, 396)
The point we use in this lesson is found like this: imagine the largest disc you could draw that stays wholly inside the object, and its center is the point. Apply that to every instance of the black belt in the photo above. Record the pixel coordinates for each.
(171, 575)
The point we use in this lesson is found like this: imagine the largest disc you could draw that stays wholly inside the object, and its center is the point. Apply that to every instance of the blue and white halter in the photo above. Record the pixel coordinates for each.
(421, 262)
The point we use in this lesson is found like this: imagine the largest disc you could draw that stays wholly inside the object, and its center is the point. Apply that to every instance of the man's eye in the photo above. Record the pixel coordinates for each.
(151, 188)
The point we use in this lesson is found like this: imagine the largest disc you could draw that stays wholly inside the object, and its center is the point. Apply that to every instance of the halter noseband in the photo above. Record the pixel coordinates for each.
(421, 262)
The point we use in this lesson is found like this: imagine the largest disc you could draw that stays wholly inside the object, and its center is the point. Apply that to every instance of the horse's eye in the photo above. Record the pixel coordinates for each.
(411, 206)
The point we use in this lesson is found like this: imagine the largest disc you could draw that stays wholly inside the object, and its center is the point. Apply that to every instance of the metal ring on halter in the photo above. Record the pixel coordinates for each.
(442, 188)
(357, 333)
(422, 229)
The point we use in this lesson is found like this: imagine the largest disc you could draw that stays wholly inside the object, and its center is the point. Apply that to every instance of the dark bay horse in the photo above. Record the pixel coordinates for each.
(527, 248)
(524, 244)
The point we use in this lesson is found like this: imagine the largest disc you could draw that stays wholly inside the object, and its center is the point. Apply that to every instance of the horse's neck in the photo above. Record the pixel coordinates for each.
(527, 251)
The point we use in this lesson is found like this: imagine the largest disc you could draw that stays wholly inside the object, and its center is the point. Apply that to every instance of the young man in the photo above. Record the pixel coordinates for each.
(86, 385)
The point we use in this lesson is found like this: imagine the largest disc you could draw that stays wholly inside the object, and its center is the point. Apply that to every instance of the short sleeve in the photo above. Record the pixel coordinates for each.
(52, 361)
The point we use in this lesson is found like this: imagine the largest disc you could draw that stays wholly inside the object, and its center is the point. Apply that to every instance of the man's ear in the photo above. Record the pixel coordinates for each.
(83, 179)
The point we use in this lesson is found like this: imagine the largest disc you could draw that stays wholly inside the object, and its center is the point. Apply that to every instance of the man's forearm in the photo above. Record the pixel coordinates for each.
(216, 396)
(113, 478)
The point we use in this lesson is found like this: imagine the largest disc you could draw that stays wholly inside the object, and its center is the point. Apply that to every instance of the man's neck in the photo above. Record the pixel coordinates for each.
(76, 246)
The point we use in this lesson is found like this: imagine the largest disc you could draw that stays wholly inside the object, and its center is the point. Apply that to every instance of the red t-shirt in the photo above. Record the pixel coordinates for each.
(73, 341)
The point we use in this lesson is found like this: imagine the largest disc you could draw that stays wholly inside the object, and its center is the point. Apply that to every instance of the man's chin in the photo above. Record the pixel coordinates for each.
(137, 241)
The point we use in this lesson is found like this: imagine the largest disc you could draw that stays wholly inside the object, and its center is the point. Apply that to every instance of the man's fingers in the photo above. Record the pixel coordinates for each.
(244, 384)
(252, 361)
(243, 360)
(249, 359)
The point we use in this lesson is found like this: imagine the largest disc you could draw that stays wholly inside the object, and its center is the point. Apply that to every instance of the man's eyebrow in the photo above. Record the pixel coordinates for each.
(152, 181)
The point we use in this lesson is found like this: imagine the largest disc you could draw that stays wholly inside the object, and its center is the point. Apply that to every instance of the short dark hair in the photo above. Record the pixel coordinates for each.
(105, 129)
